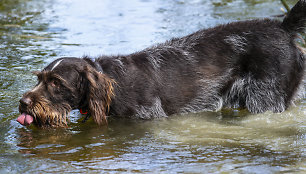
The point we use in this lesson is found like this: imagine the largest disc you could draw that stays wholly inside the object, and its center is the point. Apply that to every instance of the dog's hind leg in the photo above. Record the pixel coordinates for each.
(256, 95)
(264, 95)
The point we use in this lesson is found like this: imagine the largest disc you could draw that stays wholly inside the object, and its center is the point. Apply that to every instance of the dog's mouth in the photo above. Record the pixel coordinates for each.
(43, 118)
(25, 119)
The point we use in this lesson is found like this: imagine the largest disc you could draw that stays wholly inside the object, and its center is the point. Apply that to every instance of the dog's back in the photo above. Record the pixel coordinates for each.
(249, 64)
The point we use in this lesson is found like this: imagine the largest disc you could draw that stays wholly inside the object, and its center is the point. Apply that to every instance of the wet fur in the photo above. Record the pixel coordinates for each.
(250, 64)
(99, 95)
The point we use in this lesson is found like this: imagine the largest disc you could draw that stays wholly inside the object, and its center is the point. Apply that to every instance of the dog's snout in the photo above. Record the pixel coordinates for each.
(26, 101)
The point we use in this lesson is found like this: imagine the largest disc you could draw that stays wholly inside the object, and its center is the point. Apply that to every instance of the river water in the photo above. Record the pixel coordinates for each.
(35, 32)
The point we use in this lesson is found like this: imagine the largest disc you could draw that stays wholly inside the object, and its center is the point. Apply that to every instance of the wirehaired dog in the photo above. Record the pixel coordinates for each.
(250, 64)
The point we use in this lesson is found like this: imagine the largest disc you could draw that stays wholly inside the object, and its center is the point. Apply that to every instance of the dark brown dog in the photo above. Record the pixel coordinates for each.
(251, 64)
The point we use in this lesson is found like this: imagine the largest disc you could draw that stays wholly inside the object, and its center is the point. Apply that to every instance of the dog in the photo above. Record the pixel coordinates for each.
(251, 64)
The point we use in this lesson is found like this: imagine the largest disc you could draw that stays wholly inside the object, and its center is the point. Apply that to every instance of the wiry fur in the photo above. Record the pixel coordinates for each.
(60, 90)
(250, 64)
(256, 95)
(100, 93)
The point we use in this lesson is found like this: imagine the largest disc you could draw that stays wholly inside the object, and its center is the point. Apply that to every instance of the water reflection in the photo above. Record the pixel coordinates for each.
(25, 42)
(83, 141)
(210, 141)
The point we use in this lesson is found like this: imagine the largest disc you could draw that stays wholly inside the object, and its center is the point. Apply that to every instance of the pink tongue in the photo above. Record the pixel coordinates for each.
(25, 119)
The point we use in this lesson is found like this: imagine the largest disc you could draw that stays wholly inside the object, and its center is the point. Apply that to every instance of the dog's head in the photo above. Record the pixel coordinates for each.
(66, 84)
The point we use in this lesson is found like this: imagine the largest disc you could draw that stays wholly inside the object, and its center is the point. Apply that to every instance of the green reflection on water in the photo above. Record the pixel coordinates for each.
(24, 45)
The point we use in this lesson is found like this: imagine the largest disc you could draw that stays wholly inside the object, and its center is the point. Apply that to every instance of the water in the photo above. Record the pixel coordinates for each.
(35, 32)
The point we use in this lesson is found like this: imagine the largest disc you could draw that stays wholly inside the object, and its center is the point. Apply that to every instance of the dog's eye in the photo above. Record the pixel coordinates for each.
(55, 83)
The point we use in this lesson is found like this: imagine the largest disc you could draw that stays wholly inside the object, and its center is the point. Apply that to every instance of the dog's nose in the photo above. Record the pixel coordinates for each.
(26, 101)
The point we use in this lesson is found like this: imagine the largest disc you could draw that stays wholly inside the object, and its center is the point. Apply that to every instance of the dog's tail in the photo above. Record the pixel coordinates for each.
(295, 21)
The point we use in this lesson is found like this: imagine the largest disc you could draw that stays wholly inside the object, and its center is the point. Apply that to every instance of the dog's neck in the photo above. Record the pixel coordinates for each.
(98, 67)
(96, 64)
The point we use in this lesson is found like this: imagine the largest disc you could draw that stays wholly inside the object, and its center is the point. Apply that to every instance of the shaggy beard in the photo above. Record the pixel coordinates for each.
(47, 115)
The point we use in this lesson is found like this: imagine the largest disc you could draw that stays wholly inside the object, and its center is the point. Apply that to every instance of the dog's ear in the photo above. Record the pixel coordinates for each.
(100, 93)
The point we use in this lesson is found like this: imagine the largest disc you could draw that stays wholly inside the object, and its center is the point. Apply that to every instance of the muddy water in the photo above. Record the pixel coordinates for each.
(35, 32)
